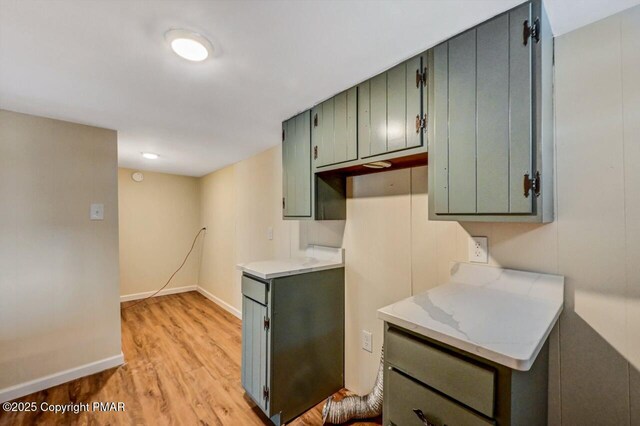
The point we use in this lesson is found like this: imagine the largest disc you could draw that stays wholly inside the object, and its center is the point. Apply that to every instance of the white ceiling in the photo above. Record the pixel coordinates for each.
(105, 63)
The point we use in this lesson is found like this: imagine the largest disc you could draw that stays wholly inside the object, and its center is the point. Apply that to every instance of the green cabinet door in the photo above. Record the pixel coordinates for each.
(254, 350)
(482, 101)
(333, 131)
(390, 110)
(296, 162)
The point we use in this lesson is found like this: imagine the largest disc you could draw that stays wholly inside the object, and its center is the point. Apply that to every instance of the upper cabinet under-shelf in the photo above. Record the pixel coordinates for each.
(479, 103)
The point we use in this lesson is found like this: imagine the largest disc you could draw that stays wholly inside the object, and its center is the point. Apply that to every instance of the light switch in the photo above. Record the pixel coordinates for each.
(97, 212)
(270, 233)
(367, 341)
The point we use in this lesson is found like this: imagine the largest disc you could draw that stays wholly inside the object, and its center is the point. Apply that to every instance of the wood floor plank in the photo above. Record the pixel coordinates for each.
(183, 355)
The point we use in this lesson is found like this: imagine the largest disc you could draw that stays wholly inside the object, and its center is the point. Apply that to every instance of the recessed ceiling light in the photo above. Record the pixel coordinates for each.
(189, 45)
(150, 155)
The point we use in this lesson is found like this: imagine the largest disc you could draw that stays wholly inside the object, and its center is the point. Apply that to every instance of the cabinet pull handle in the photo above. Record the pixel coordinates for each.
(423, 418)
(283, 203)
(282, 135)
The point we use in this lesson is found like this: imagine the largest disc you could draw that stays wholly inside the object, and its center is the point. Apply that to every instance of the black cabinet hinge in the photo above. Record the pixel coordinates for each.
(266, 323)
(315, 120)
(265, 392)
(530, 31)
(421, 123)
(315, 152)
(283, 203)
(532, 184)
(421, 77)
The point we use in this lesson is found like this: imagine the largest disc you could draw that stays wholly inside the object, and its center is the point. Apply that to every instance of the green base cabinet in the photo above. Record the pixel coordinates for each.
(292, 341)
(428, 382)
(491, 123)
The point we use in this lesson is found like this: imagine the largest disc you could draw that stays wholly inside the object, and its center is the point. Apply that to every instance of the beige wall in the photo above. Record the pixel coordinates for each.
(59, 305)
(159, 218)
(218, 214)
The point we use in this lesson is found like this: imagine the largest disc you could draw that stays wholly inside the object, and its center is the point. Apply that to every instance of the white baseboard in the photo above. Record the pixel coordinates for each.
(173, 290)
(16, 391)
(224, 305)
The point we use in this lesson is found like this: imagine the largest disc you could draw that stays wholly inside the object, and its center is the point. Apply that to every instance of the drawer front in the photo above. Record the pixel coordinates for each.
(254, 289)
(405, 396)
(469, 383)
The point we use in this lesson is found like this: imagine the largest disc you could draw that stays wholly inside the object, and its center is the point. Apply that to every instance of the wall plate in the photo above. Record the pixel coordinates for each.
(479, 250)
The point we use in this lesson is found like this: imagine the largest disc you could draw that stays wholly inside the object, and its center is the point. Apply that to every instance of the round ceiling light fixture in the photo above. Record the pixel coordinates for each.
(150, 155)
(189, 45)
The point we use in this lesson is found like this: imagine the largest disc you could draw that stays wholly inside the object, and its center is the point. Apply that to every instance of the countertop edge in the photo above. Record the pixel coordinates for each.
(491, 355)
(288, 273)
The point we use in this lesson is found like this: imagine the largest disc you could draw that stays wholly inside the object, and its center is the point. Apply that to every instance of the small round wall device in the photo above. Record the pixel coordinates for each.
(137, 176)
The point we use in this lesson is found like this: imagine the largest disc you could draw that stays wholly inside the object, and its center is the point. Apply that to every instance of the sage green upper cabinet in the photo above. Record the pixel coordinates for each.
(490, 128)
(296, 161)
(333, 130)
(390, 112)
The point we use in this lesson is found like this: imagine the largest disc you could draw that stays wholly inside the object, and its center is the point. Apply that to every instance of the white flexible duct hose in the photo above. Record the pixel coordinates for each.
(354, 406)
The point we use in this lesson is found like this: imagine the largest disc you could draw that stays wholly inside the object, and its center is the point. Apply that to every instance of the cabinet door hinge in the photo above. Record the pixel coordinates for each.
(530, 31)
(421, 123)
(315, 120)
(266, 323)
(265, 392)
(421, 77)
(315, 152)
(532, 184)
(283, 203)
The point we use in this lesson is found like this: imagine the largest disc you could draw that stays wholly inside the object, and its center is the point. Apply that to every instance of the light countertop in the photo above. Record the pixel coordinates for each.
(317, 258)
(498, 314)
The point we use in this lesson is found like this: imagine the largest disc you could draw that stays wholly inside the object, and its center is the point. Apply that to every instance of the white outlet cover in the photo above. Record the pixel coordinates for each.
(270, 233)
(97, 212)
(479, 250)
(367, 341)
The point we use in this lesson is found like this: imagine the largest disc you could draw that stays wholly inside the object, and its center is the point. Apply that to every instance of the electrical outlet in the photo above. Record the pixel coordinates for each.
(367, 341)
(479, 250)
(270, 233)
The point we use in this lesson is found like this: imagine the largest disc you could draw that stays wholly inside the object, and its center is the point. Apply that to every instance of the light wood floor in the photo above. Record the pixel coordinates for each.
(182, 366)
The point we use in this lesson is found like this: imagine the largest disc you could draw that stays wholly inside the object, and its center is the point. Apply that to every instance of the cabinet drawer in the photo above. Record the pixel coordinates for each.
(469, 383)
(254, 289)
(406, 396)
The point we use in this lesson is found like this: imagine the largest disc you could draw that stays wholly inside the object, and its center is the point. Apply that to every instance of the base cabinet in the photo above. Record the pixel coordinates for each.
(292, 341)
(429, 383)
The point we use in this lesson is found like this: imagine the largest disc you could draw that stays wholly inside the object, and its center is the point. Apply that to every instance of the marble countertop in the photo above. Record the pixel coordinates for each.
(498, 314)
(317, 258)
